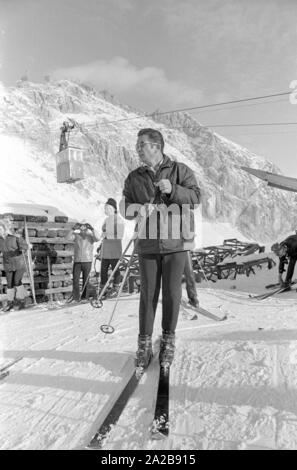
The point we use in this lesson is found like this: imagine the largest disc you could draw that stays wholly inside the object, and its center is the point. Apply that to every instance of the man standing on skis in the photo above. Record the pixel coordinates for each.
(286, 251)
(162, 194)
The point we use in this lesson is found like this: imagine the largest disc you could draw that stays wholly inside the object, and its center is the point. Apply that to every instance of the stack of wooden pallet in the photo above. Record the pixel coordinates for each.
(52, 255)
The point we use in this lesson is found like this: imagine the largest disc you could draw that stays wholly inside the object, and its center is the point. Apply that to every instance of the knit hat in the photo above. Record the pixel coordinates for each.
(112, 202)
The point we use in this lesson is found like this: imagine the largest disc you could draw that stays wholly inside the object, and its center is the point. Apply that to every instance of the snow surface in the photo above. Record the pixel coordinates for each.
(232, 386)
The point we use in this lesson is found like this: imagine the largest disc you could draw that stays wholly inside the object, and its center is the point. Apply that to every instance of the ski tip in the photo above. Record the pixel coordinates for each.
(3, 375)
(159, 435)
(159, 430)
(96, 442)
(139, 371)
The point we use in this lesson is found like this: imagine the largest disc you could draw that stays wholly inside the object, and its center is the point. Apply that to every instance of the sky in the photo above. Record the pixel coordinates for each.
(168, 54)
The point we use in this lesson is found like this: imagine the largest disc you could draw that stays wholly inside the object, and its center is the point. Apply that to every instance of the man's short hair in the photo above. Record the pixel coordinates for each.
(153, 135)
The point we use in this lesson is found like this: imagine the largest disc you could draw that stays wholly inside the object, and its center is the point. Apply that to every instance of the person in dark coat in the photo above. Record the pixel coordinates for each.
(13, 247)
(161, 194)
(84, 237)
(287, 253)
(111, 248)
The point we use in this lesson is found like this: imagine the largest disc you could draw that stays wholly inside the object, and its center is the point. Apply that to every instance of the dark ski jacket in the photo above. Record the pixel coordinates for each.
(140, 189)
(291, 244)
(12, 247)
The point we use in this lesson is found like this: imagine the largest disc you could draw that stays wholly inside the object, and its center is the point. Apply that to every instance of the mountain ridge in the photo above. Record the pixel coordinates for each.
(30, 119)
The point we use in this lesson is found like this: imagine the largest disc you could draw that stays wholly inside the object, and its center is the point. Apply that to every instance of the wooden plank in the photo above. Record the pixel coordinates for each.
(56, 240)
(31, 218)
(58, 290)
(61, 277)
(24, 281)
(60, 253)
(62, 266)
(42, 226)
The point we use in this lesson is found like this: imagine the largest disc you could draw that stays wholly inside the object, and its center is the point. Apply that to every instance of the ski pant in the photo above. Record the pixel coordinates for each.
(85, 269)
(155, 268)
(14, 278)
(190, 278)
(290, 270)
(105, 263)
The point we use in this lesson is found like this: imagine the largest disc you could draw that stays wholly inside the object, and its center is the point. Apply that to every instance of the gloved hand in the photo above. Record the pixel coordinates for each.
(89, 227)
(76, 226)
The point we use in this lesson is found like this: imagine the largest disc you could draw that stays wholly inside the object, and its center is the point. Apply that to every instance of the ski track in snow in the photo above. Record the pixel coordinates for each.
(232, 385)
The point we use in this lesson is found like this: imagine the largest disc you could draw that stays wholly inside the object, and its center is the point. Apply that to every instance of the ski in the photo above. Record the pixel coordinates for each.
(278, 290)
(3, 370)
(64, 305)
(272, 286)
(202, 311)
(269, 294)
(11, 363)
(160, 426)
(114, 414)
(4, 374)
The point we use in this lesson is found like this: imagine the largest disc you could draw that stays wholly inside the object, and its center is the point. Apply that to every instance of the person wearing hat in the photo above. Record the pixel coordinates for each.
(111, 249)
(13, 247)
(161, 194)
(287, 253)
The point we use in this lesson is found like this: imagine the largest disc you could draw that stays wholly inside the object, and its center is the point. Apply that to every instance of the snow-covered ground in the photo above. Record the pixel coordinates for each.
(233, 383)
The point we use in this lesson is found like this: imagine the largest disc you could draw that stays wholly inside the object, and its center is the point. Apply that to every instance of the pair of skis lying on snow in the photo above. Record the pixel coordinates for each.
(278, 290)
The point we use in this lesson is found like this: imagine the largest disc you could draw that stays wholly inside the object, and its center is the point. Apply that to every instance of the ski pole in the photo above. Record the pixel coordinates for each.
(85, 285)
(31, 275)
(108, 329)
(202, 270)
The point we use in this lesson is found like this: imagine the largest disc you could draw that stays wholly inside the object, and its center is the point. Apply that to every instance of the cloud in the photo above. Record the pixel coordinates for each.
(247, 45)
(147, 87)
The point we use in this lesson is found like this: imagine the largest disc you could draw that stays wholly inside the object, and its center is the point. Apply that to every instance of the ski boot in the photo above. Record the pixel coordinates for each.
(19, 304)
(193, 302)
(114, 292)
(9, 306)
(144, 353)
(286, 285)
(167, 348)
(106, 293)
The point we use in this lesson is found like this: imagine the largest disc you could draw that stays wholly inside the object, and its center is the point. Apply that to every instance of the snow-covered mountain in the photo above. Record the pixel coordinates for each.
(30, 119)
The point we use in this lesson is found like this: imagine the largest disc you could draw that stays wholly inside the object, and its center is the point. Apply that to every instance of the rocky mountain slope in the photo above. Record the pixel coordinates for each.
(30, 119)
